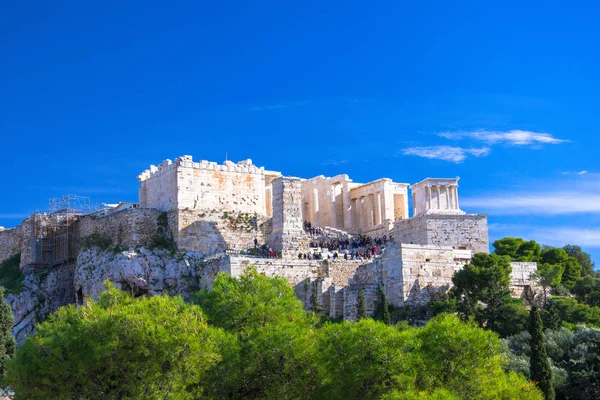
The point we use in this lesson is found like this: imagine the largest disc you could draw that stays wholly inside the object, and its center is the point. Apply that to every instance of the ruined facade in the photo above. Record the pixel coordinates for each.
(218, 216)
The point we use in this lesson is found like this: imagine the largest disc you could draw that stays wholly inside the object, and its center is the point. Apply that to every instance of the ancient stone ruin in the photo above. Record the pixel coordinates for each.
(196, 219)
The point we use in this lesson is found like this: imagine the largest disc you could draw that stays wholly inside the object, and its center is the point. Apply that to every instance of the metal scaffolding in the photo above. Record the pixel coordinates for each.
(56, 232)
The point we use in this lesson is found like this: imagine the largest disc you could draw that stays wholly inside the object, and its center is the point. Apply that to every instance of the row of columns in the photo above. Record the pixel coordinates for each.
(370, 210)
(450, 193)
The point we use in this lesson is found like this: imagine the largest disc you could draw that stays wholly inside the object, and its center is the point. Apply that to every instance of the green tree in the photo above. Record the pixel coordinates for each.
(583, 258)
(539, 365)
(362, 360)
(508, 246)
(481, 290)
(548, 276)
(250, 301)
(360, 305)
(583, 361)
(587, 290)
(7, 341)
(274, 355)
(551, 316)
(315, 306)
(118, 347)
(572, 272)
(383, 310)
(517, 249)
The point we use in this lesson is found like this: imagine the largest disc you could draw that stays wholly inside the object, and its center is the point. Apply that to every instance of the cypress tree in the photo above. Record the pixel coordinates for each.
(362, 311)
(386, 317)
(314, 300)
(551, 316)
(539, 366)
(7, 341)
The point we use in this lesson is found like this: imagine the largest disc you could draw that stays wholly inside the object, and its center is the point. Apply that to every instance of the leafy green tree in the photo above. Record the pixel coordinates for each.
(383, 310)
(7, 341)
(274, 356)
(481, 291)
(539, 365)
(315, 306)
(508, 246)
(517, 249)
(572, 312)
(553, 256)
(584, 365)
(583, 258)
(119, 347)
(551, 316)
(360, 305)
(572, 272)
(587, 290)
(250, 301)
(362, 360)
(549, 276)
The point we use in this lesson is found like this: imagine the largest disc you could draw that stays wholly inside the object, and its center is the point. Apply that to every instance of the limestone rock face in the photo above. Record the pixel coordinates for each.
(140, 272)
(44, 291)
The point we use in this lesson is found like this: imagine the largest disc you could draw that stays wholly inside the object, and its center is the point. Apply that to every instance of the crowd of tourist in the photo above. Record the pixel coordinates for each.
(361, 247)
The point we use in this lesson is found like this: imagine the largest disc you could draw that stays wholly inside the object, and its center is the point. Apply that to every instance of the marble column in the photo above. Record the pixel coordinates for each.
(378, 208)
(456, 198)
(438, 197)
(369, 201)
(332, 210)
(447, 192)
(315, 204)
(347, 204)
(429, 205)
(361, 212)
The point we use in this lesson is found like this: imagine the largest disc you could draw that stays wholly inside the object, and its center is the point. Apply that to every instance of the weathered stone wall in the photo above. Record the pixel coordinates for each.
(522, 280)
(187, 185)
(132, 227)
(415, 273)
(460, 231)
(340, 271)
(213, 231)
(288, 236)
(11, 242)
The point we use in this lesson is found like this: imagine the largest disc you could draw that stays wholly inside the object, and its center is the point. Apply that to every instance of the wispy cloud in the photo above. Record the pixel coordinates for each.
(550, 235)
(577, 195)
(513, 137)
(279, 106)
(334, 162)
(575, 173)
(446, 153)
(550, 203)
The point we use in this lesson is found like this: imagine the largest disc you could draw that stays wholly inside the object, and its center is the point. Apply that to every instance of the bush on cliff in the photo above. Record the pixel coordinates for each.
(261, 345)
(118, 347)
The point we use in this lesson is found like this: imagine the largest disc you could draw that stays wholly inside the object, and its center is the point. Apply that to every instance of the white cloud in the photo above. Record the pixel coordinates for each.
(575, 173)
(513, 137)
(446, 153)
(550, 203)
(550, 235)
(334, 162)
(576, 195)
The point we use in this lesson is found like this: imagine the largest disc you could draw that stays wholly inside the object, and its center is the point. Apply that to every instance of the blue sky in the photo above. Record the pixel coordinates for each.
(505, 95)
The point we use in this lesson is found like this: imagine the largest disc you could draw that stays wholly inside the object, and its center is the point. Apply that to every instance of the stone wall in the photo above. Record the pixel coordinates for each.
(460, 231)
(11, 242)
(288, 236)
(187, 185)
(214, 231)
(522, 281)
(132, 227)
(340, 271)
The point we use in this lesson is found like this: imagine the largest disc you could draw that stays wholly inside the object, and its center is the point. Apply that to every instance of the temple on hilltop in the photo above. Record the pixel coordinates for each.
(328, 236)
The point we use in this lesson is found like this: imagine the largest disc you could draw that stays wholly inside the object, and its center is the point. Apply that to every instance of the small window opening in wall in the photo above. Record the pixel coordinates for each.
(427, 259)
